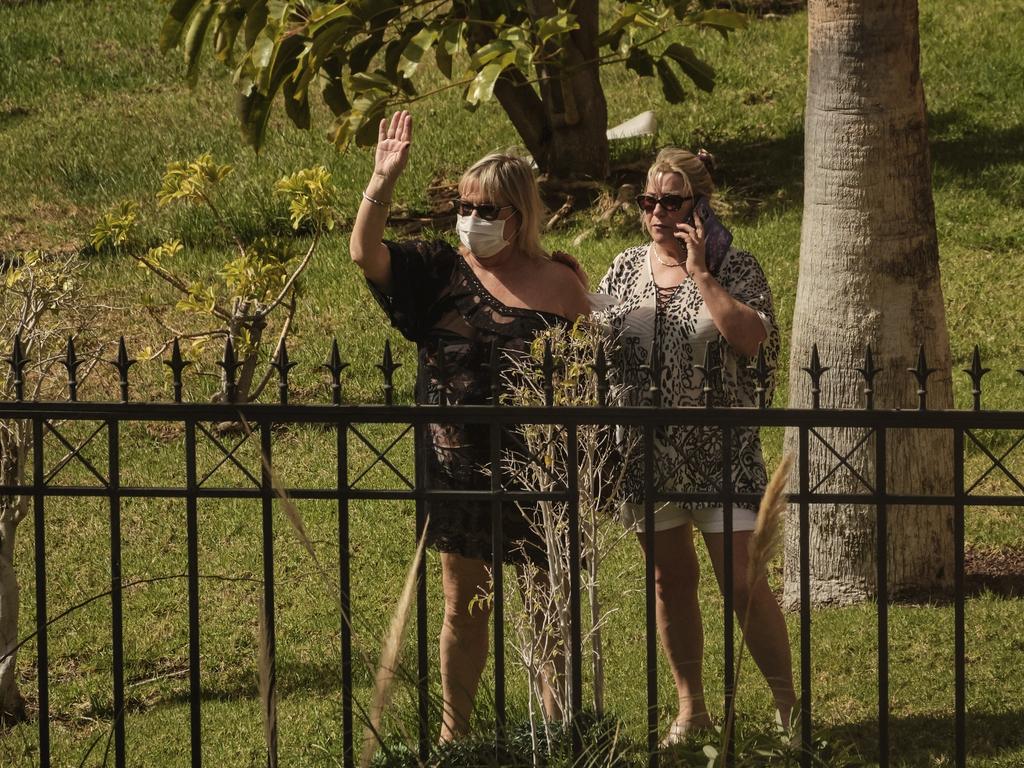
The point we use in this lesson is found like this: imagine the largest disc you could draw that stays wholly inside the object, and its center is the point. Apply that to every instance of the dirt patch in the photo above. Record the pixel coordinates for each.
(766, 8)
(999, 570)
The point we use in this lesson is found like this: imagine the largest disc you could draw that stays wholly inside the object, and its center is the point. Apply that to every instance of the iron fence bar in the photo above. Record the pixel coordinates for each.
(650, 606)
(575, 641)
(882, 584)
(497, 575)
(268, 591)
(228, 455)
(805, 606)
(996, 463)
(42, 645)
(75, 453)
(341, 438)
(192, 527)
(959, 649)
(116, 601)
(422, 665)
(330, 494)
(485, 414)
(728, 587)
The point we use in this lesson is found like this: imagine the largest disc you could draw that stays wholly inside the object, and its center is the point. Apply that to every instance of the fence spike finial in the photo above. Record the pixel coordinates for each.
(71, 362)
(761, 373)
(388, 368)
(921, 372)
(869, 371)
(494, 362)
(442, 371)
(600, 369)
(123, 363)
(707, 369)
(177, 364)
(283, 365)
(335, 365)
(653, 371)
(976, 371)
(230, 365)
(548, 368)
(815, 370)
(18, 361)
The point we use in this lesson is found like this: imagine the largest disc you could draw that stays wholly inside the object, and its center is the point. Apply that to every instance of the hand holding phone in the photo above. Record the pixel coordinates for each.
(716, 238)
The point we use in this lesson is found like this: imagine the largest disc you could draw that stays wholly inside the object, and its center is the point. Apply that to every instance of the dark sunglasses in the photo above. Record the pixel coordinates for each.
(486, 211)
(670, 203)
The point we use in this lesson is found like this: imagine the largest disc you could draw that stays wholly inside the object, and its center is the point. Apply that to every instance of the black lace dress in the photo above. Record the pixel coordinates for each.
(438, 303)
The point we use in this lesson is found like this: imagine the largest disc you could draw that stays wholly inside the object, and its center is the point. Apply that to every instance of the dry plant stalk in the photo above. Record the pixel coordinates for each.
(543, 626)
(389, 658)
(763, 546)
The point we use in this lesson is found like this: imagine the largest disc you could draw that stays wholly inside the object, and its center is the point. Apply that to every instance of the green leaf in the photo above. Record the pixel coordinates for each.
(333, 89)
(360, 123)
(174, 24)
(488, 53)
(255, 22)
(553, 26)
(414, 51)
(296, 103)
(640, 61)
(482, 87)
(702, 75)
(721, 19)
(366, 134)
(369, 81)
(194, 42)
(227, 24)
(253, 105)
(393, 52)
(670, 85)
(363, 52)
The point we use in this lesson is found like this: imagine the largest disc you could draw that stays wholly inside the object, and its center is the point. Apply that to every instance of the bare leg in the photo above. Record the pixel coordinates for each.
(767, 636)
(463, 640)
(676, 574)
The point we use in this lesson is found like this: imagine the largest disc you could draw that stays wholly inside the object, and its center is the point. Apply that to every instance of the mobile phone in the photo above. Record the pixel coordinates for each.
(717, 238)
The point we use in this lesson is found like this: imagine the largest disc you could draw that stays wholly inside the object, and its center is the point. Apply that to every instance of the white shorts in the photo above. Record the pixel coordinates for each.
(672, 514)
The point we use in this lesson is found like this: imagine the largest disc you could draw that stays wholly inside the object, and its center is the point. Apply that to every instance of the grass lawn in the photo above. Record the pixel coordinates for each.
(91, 113)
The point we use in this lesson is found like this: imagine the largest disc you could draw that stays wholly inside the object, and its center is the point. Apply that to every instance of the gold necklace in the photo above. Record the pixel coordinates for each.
(667, 263)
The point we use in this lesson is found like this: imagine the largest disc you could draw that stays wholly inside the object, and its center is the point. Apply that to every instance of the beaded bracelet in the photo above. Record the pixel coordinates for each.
(375, 201)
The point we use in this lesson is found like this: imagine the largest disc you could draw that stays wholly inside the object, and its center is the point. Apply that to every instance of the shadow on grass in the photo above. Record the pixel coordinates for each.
(762, 176)
(976, 156)
(919, 739)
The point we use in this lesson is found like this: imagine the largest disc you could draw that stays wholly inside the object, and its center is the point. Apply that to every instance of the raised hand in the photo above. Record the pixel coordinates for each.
(393, 142)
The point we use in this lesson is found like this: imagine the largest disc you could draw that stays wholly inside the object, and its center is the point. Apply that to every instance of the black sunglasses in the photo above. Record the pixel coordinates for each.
(486, 211)
(670, 203)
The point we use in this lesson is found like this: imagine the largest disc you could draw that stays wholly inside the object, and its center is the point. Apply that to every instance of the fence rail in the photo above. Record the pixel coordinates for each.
(48, 419)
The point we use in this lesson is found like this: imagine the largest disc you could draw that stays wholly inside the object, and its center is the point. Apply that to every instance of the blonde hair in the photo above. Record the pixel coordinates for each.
(693, 168)
(508, 176)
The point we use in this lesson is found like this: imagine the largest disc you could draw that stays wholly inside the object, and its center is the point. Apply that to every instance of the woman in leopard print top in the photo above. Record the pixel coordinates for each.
(687, 292)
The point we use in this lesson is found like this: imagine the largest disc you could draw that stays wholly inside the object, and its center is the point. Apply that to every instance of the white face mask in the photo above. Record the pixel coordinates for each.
(483, 238)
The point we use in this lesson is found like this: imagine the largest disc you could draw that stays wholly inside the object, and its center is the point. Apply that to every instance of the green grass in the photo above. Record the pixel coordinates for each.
(91, 113)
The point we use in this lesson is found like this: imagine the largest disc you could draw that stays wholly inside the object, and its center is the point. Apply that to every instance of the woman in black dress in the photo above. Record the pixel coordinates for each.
(500, 286)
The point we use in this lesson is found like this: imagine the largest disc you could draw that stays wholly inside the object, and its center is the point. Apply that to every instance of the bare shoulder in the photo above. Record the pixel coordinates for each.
(563, 289)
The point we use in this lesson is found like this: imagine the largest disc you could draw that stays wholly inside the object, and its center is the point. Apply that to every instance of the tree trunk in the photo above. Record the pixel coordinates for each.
(869, 273)
(565, 127)
(12, 705)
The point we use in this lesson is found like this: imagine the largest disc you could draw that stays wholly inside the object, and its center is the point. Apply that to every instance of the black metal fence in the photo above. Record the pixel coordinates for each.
(346, 420)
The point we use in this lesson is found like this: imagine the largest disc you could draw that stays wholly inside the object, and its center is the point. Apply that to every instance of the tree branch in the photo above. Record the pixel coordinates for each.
(261, 314)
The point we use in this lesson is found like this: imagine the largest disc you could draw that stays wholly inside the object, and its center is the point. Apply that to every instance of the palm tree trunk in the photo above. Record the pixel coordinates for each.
(869, 273)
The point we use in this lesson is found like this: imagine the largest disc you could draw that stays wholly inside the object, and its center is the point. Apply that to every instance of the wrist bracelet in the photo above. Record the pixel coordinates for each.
(375, 201)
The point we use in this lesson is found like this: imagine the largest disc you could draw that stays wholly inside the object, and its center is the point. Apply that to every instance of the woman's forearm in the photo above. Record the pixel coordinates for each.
(365, 244)
(739, 325)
